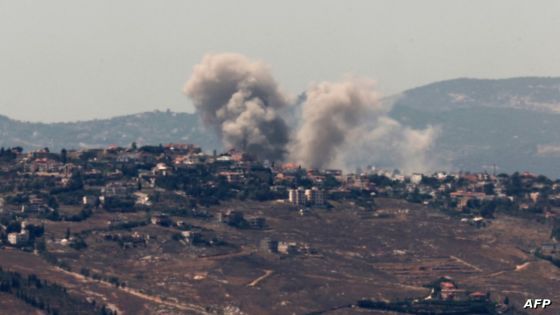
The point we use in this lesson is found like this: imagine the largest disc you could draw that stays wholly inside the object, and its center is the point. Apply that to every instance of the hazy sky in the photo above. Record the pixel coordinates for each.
(70, 60)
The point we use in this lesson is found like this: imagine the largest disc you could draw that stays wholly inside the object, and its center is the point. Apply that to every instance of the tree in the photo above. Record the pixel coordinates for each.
(555, 234)
(64, 156)
(430, 181)
(13, 226)
(515, 186)
(489, 189)
(40, 245)
(488, 208)
(76, 182)
(330, 182)
(52, 202)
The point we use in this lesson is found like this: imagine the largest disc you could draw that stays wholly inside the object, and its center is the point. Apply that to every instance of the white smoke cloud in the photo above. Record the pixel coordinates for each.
(342, 124)
(331, 112)
(345, 125)
(389, 144)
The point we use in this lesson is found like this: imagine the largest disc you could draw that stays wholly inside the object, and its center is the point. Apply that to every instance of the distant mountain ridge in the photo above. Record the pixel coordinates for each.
(528, 93)
(144, 128)
(513, 124)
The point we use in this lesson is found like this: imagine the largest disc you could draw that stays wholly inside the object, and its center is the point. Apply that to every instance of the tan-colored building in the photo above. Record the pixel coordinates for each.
(315, 196)
(297, 196)
(18, 238)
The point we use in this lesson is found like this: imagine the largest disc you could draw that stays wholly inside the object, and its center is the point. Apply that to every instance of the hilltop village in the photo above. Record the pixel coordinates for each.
(87, 212)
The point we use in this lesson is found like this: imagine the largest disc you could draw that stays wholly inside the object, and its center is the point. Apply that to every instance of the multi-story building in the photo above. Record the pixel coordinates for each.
(315, 196)
(297, 196)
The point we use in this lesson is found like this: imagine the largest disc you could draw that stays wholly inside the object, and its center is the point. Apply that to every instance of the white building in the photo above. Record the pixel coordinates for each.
(18, 238)
(287, 248)
(142, 198)
(416, 178)
(297, 196)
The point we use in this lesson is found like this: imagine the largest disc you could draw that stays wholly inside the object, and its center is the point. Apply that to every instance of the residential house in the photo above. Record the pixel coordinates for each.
(287, 248)
(17, 239)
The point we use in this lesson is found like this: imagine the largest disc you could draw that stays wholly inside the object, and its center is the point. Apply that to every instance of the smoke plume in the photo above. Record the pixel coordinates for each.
(341, 124)
(345, 125)
(389, 144)
(330, 113)
(240, 99)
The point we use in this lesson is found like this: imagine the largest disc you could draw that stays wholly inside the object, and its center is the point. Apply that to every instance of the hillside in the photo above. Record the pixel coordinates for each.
(512, 123)
(529, 93)
(145, 128)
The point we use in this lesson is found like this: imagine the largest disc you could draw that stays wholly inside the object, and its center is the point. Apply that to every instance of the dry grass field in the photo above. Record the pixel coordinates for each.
(355, 255)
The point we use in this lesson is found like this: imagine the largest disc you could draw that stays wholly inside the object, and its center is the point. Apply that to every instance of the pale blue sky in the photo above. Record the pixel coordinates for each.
(73, 59)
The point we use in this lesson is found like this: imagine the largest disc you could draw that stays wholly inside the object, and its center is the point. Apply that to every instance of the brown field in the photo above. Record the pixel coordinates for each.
(9, 304)
(358, 256)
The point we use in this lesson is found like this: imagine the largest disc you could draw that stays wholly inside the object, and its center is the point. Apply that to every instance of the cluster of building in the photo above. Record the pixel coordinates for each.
(469, 192)
(126, 172)
(130, 179)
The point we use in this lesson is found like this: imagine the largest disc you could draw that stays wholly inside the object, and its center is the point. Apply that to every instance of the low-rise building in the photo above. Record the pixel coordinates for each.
(287, 248)
(162, 220)
(232, 177)
(233, 218)
(18, 238)
(43, 165)
(447, 290)
(192, 237)
(257, 222)
(119, 188)
(268, 245)
(161, 169)
(142, 198)
(416, 178)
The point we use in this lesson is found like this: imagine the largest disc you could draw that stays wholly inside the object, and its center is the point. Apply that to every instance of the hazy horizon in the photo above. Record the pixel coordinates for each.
(191, 110)
(69, 60)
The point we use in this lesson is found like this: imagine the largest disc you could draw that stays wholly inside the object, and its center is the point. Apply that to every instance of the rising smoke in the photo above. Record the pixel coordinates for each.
(342, 124)
(390, 144)
(240, 99)
(331, 114)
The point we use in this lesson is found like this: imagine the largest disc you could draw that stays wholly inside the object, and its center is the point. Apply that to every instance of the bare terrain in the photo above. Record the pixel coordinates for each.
(345, 254)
